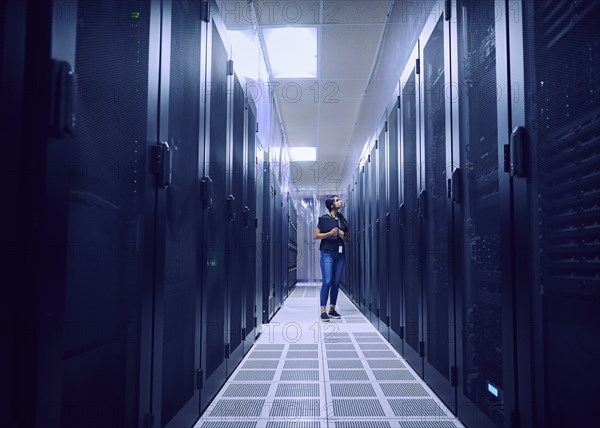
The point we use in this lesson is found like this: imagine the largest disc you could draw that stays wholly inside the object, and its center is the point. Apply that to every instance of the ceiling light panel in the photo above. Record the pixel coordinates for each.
(292, 51)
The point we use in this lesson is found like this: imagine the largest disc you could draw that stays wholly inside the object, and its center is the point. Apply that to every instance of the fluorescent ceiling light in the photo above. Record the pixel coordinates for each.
(303, 154)
(292, 51)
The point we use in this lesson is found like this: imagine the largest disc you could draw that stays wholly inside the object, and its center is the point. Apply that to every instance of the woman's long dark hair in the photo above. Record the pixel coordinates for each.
(329, 205)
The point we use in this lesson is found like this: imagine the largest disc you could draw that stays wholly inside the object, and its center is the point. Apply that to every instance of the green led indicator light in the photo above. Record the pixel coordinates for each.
(135, 15)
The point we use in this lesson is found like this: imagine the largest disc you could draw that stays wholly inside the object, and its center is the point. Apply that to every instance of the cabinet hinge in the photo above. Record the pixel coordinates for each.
(206, 192)
(243, 332)
(385, 127)
(401, 333)
(517, 152)
(398, 104)
(230, 67)
(418, 66)
(227, 350)
(447, 10)
(205, 11)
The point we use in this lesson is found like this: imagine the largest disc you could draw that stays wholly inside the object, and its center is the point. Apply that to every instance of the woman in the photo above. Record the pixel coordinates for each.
(332, 230)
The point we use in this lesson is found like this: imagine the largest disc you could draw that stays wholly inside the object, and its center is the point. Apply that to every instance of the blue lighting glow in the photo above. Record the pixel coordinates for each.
(492, 390)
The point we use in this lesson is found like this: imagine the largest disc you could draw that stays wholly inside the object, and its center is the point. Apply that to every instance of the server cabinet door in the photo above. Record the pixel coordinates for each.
(555, 174)
(475, 190)
(100, 205)
(177, 304)
(410, 225)
(236, 292)
(382, 233)
(214, 296)
(363, 259)
(436, 233)
(250, 228)
(396, 306)
(371, 202)
(267, 298)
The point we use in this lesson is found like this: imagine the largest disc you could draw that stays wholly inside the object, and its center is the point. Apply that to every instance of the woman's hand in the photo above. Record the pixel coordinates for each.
(341, 233)
(334, 232)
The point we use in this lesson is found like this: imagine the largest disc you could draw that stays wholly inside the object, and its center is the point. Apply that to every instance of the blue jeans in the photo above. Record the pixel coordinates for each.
(332, 265)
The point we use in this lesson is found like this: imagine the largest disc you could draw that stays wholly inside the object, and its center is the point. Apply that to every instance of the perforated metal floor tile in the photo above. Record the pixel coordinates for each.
(362, 424)
(365, 334)
(228, 424)
(250, 375)
(304, 347)
(268, 347)
(235, 407)
(297, 375)
(247, 390)
(357, 407)
(260, 364)
(265, 354)
(339, 347)
(379, 354)
(344, 364)
(342, 354)
(393, 375)
(369, 339)
(293, 424)
(373, 346)
(298, 390)
(348, 375)
(303, 354)
(301, 364)
(403, 390)
(386, 364)
(295, 408)
(415, 407)
(355, 320)
(427, 424)
(352, 390)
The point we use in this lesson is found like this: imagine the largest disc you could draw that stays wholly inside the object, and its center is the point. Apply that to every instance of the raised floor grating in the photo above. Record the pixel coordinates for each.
(403, 390)
(293, 424)
(362, 424)
(393, 375)
(239, 408)
(348, 375)
(344, 364)
(303, 354)
(342, 354)
(339, 347)
(337, 340)
(295, 408)
(427, 424)
(416, 407)
(386, 364)
(265, 354)
(298, 390)
(355, 321)
(379, 354)
(373, 346)
(229, 424)
(357, 407)
(260, 364)
(301, 364)
(268, 347)
(365, 334)
(352, 390)
(250, 375)
(369, 339)
(247, 390)
(304, 347)
(299, 375)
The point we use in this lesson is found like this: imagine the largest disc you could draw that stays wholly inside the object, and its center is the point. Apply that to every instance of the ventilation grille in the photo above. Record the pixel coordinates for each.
(247, 390)
(304, 347)
(299, 375)
(362, 424)
(265, 354)
(246, 375)
(348, 375)
(342, 354)
(245, 408)
(303, 354)
(427, 424)
(215, 424)
(345, 364)
(373, 339)
(339, 347)
(403, 390)
(379, 354)
(352, 390)
(386, 364)
(416, 407)
(295, 408)
(297, 390)
(295, 424)
(260, 364)
(357, 407)
(301, 364)
(268, 347)
(373, 346)
(393, 375)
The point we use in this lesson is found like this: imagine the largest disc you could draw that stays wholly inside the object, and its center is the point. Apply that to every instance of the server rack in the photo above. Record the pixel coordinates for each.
(410, 213)
(554, 176)
(393, 226)
(371, 202)
(382, 231)
(436, 209)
